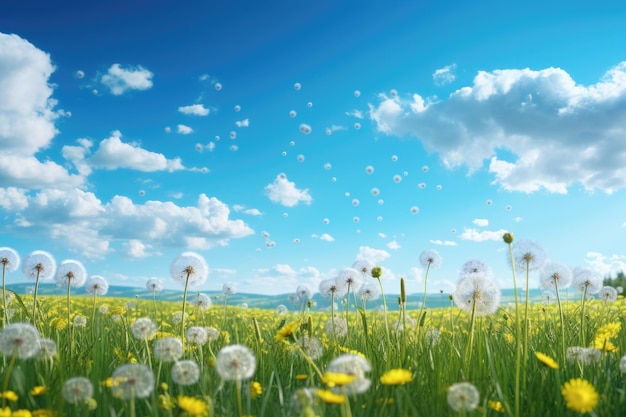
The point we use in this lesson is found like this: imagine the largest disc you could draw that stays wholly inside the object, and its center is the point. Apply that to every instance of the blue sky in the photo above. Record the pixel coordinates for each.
(243, 130)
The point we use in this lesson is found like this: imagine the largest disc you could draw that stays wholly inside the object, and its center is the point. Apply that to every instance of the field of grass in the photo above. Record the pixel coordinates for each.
(288, 377)
(68, 355)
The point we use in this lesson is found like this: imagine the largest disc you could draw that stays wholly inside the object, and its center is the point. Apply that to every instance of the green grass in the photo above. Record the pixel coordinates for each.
(103, 345)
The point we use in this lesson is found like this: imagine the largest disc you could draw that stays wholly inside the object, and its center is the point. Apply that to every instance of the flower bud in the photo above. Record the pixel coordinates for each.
(508, 238)
(377, 272)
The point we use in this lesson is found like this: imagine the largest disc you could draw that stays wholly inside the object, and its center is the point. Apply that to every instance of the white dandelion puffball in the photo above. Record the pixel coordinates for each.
(132, 380)
(39, 263)
(352, 365)
(463, 396)
(478, 294)
(197, 335)
(21, 339)
(185, 372)
(144, 328)
(235, 363)
(168, 349)
(430, 258)
(9, 259)
(336, 327)
(154, 285)
(77, 390)
(72, 273)
(97, 285)
(555, 274)
(190, 268)
(218, 86)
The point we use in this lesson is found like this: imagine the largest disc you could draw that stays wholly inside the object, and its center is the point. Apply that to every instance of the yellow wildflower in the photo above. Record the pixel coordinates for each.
(330, 397)
(43, 412)
(546, 360)
(396, 377)
(193, 406)
(286, 331)
(21, 413)
(166, 402)
(256, 389)
(579, 395)
(508, 337)
(38, 390)
(301, 377)
(5, 412)
(495, 406)
(337, 379)
(91, 404)
(9, 396)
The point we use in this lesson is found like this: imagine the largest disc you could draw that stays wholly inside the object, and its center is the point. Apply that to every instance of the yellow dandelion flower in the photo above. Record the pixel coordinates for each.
(42, 412)
(193, 406)
(118, 311)
(166, 402)
(286, 331)
(91, 404)
(579, 395)
(337, 379)
(495, 406)
(256, 389)
(330, 397)
(546, 360)
(508, 337)
(9, 396)
(396, 377)
(38, 390)
(5, 412)
(604, 344)
(21, 413)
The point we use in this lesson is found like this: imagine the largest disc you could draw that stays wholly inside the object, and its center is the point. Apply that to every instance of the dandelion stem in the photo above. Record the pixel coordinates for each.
(182, 319)
(558, 299)
(582, 317)
(4, 294)
(518, 346)
(7, 377)
(382, 292)
(69, 317)
(239, 403)
(35, 297)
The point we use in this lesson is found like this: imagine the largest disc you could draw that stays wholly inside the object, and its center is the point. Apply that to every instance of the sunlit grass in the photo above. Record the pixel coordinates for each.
(408, 373)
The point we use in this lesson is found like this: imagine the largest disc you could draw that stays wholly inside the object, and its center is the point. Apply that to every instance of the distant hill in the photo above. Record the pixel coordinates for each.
(435, 300)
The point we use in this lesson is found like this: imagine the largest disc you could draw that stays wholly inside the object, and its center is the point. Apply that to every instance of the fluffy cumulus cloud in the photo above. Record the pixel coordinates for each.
(87, 226)
(27, 117)
(481, 236)
(606, 265)
(538, 129)
(184, 129)
(481, 222)
(393, 245)
(445, 75)
(285, 192)
(372, 255)
(194, 109)
(250, 211)
(284, 277)
(112, 153)
(121, 79)
(326, 237)
(443, 242)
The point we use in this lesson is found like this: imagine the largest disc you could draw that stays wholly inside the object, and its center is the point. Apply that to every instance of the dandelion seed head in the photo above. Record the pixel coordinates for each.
(463, 396)
(154, 285)
(584, 279)
(9, 259)
(235, 363)
(357, 93)
(132, 380)
(217, 86)
(185, 372)
(397, 178)
(477, 294)
(311, 346)
(297, 86)
(329, 287)
(202, 301)
(528, 254)
(190, 268)
(336, 327)
(39, 263)
(229, 288)
(369, 292)
(19, 338)
(237, 108)
(608, 294)
(351, 278)
(77, 390)
(364, 267)
(212, 334)
(97, 284)
(72, 272)
(430, 257)
(168, 349)
(47, 349)
(354, 365)
(292, 114)
(554, 273)
(415, 210)
(143, 328)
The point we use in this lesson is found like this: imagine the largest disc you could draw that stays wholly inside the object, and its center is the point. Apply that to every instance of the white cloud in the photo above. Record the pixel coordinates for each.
(243, 123)
(444, 75)
(27, 117)
(13, 199)
(81, 222)
(184, 130)
(112, 153)
(443, 242)
(393, 245)
(119, 80)
(538, 128)
(245, 210)
(286, 193)
(482, 236)
(327, 238)
(606, 265)
(136, 249)
(355, 113)
(194, 109)
(481, 222)
(372, 255)
(282, 278)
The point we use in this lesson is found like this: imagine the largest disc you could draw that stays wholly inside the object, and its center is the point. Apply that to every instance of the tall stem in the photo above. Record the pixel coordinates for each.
(518, 346)
(4, 294)
(382, 292)
(582, 318)
(182, 319)
(35, 298)
(558, 299)
(69, 318)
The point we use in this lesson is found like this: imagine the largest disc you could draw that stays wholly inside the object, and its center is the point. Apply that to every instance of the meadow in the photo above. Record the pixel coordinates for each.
(105, 356)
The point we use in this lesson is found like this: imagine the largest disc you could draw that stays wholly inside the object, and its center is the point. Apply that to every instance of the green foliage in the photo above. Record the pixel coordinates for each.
(618, 281)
